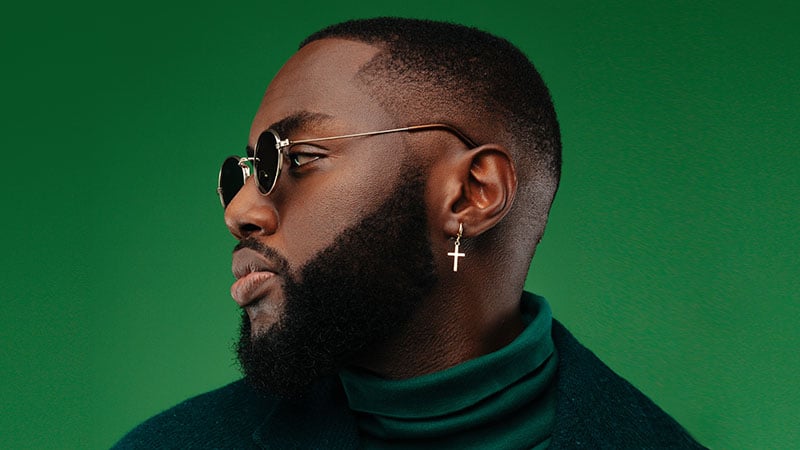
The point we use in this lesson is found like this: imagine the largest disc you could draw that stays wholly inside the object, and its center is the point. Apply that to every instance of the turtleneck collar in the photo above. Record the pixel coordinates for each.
(509, 387)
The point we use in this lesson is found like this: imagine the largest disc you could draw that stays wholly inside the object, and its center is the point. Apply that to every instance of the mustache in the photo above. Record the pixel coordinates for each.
(268, 252)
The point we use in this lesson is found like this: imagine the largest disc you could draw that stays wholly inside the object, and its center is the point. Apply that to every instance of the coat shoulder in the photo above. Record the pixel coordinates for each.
(222, 418)
(597, 408)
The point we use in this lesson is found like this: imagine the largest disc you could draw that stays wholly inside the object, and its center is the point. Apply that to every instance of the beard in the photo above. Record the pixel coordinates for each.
(349, 299)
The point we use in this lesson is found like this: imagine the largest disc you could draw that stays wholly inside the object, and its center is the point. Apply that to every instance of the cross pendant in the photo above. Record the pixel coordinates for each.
(455, 254)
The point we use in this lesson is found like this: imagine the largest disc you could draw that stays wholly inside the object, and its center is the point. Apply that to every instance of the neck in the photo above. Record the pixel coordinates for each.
(453, 326)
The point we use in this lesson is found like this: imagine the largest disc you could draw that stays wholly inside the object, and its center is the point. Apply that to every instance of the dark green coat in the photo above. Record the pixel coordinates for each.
(596, 409)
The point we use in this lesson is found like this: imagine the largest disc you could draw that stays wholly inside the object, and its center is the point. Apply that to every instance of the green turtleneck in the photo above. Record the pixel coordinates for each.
(503, 400)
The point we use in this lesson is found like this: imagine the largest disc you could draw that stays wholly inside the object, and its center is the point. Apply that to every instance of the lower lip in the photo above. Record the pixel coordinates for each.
(251, 287)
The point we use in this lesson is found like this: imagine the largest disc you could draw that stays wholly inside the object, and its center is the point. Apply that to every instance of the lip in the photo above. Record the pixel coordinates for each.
(253, 276)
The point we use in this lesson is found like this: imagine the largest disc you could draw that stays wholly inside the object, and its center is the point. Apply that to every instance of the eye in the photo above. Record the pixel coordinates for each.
(298, 157)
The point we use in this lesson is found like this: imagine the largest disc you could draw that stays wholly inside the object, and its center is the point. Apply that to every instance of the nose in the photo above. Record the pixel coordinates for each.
(251, 214)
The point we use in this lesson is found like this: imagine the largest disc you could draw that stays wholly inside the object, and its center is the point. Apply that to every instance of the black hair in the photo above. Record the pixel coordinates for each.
(443, 69)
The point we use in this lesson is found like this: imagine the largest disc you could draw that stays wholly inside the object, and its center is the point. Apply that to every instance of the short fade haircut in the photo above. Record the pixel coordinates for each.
(428, 70)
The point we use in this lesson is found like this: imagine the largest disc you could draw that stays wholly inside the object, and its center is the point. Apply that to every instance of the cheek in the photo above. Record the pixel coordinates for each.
(440, 189)
(324, 204)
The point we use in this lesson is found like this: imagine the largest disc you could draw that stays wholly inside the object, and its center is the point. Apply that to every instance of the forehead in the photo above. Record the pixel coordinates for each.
(321, 79)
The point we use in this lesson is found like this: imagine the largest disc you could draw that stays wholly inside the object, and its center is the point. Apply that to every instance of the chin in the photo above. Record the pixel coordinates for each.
(263, 317)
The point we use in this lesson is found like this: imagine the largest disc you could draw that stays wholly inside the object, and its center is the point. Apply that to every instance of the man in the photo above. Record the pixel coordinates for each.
(398, 178)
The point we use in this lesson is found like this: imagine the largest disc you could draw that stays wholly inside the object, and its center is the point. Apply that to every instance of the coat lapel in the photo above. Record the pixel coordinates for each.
(319, 420)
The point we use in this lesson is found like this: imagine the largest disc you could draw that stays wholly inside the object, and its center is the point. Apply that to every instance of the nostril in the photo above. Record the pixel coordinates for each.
(247, 229)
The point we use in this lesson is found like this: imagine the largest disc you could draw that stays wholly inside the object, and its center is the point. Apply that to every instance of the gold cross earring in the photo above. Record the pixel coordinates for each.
(455, 253)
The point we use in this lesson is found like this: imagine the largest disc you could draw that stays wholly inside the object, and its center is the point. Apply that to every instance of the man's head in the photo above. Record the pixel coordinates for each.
(346, 257)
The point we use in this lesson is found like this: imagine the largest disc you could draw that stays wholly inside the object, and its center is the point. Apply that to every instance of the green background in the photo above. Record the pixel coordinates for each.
(671, 251)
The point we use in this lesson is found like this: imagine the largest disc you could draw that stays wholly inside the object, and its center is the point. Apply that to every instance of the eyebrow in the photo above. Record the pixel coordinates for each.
(295, 122)
(298, 121)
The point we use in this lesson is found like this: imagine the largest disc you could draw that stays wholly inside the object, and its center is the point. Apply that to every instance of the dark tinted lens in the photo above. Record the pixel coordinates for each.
(231, 179)
(267, 160)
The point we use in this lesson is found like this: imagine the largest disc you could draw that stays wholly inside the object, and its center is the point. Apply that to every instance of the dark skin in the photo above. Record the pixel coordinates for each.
(470, 312)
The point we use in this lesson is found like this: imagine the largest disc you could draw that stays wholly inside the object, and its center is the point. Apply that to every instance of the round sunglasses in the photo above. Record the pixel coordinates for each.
(269, 153)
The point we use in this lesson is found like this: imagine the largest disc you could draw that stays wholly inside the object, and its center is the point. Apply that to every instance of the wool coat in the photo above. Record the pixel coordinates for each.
(596, 409)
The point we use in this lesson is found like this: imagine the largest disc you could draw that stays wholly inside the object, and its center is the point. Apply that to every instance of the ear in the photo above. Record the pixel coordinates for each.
(480, 190)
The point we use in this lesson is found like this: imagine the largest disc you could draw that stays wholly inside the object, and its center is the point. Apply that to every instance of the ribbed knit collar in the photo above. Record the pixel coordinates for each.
(466, 396)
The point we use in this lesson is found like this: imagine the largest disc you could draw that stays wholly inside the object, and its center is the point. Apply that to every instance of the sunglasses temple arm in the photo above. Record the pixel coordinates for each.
(284, 143)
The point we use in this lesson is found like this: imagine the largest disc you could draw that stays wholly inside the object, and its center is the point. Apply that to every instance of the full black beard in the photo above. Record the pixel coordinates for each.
(349, 299)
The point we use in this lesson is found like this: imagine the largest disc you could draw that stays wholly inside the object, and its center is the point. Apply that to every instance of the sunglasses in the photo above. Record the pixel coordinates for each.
(270, 151)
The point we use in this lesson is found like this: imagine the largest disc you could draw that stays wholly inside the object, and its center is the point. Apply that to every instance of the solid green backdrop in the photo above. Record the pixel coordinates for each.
(671, 250)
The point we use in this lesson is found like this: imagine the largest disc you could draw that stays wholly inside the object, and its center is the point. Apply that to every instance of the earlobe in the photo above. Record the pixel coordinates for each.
(486, 185)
